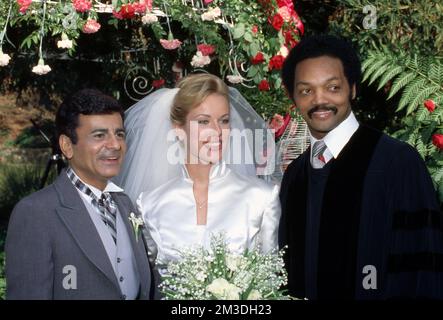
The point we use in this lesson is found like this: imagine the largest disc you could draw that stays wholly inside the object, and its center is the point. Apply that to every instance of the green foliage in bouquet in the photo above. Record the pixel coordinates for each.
(218, 274)
(401, 45)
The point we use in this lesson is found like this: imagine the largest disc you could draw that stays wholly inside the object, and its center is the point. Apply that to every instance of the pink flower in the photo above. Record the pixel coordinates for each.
(199, 60)
(285, 13)
(24, 5)
(4, 59)
(285, 3)
(147, 3)
(254, 29)
(206, 2)
(41, 68)
(170, 44)
(276, 122)
(158, 83)
(206, 49)
(279, 124)
(139, 7)
(430, 105)
(82, 5)
(91, 26)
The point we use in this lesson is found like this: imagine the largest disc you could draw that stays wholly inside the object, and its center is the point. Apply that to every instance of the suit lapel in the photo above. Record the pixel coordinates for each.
(76, 218)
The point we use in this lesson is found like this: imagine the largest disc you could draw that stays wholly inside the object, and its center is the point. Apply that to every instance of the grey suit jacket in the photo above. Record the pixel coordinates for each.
(53, 250)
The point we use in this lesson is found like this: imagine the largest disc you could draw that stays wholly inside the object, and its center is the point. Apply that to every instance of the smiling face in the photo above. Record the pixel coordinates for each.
(207, 130)
(322, 94)
(98, 154)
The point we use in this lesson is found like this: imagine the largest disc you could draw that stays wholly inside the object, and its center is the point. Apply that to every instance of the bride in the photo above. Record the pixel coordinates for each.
(183, 167)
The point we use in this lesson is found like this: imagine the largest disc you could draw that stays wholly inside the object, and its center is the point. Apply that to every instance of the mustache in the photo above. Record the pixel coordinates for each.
(322, 108)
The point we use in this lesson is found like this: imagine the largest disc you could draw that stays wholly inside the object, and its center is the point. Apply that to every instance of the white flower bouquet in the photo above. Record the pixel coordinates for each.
(218, 274)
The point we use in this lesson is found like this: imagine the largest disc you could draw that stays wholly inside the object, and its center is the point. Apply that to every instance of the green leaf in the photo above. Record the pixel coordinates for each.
(389, 75)
(400, 82)
(377, 64)
(253, 70)
(378, 73)
(411, 91)
(239, 31)
(421, 97)
(254, 48)
(248, 37)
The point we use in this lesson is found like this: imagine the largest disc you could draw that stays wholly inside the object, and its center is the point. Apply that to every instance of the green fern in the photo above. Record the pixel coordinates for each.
(402, 80)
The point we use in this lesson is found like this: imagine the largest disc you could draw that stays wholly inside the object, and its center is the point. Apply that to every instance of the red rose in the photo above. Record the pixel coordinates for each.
(206, 49)
(158, 83)
(437, 140)
(289, 38)
(276, 62)
(264, 85)
(430, 105)
(259, 58)
(285, 3)
(254, 29)
(282, 129)
(299, 25)
(127, 11)
(277, 22)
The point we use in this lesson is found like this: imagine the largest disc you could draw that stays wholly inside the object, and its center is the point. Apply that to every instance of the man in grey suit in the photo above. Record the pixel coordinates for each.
(76, 238)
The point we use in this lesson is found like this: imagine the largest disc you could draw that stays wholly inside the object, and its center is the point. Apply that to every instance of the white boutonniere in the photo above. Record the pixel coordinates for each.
(136, 222)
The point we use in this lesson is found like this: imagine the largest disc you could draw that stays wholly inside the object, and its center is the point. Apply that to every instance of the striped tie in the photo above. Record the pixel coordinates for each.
(108, 212)
(105, 205)
(317, 152)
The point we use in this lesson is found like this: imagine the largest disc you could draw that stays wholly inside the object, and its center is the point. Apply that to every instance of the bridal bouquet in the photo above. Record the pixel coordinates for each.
(218, 274)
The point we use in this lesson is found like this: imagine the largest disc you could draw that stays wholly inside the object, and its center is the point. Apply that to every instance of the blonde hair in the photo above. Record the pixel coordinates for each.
(194, 89)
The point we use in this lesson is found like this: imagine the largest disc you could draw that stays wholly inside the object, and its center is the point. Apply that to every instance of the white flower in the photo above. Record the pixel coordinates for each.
(200, 276)
(149, 18)
(222, 289)
(4, 59)
(41, 68)
(235, 78)
(199, 60)
(233, 262)
(64, 44)
(283, 51)
(211, 14)
(254, 295)
(137, 222)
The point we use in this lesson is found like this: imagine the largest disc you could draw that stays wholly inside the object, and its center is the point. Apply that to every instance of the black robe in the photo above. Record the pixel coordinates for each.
(378, 208)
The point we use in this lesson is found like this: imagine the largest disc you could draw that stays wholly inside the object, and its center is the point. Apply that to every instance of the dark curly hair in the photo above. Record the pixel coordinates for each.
(322, 45)
(86, 102)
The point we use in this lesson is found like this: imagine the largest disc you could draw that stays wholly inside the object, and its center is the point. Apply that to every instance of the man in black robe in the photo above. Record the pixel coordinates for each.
(360, 214)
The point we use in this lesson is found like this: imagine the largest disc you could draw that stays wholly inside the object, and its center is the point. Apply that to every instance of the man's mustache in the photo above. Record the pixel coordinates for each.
(322, 108)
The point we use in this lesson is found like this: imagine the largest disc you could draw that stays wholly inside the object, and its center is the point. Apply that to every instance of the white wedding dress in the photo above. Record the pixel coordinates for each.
(245, 208)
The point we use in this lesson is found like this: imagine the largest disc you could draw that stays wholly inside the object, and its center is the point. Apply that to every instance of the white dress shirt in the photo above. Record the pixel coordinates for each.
(337, 138)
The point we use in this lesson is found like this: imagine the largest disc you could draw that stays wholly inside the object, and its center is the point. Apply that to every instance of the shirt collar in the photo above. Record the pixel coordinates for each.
(337, 138)
(110, 187)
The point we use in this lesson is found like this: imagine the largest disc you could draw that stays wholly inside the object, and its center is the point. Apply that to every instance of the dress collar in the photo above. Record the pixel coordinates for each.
(218, 170)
